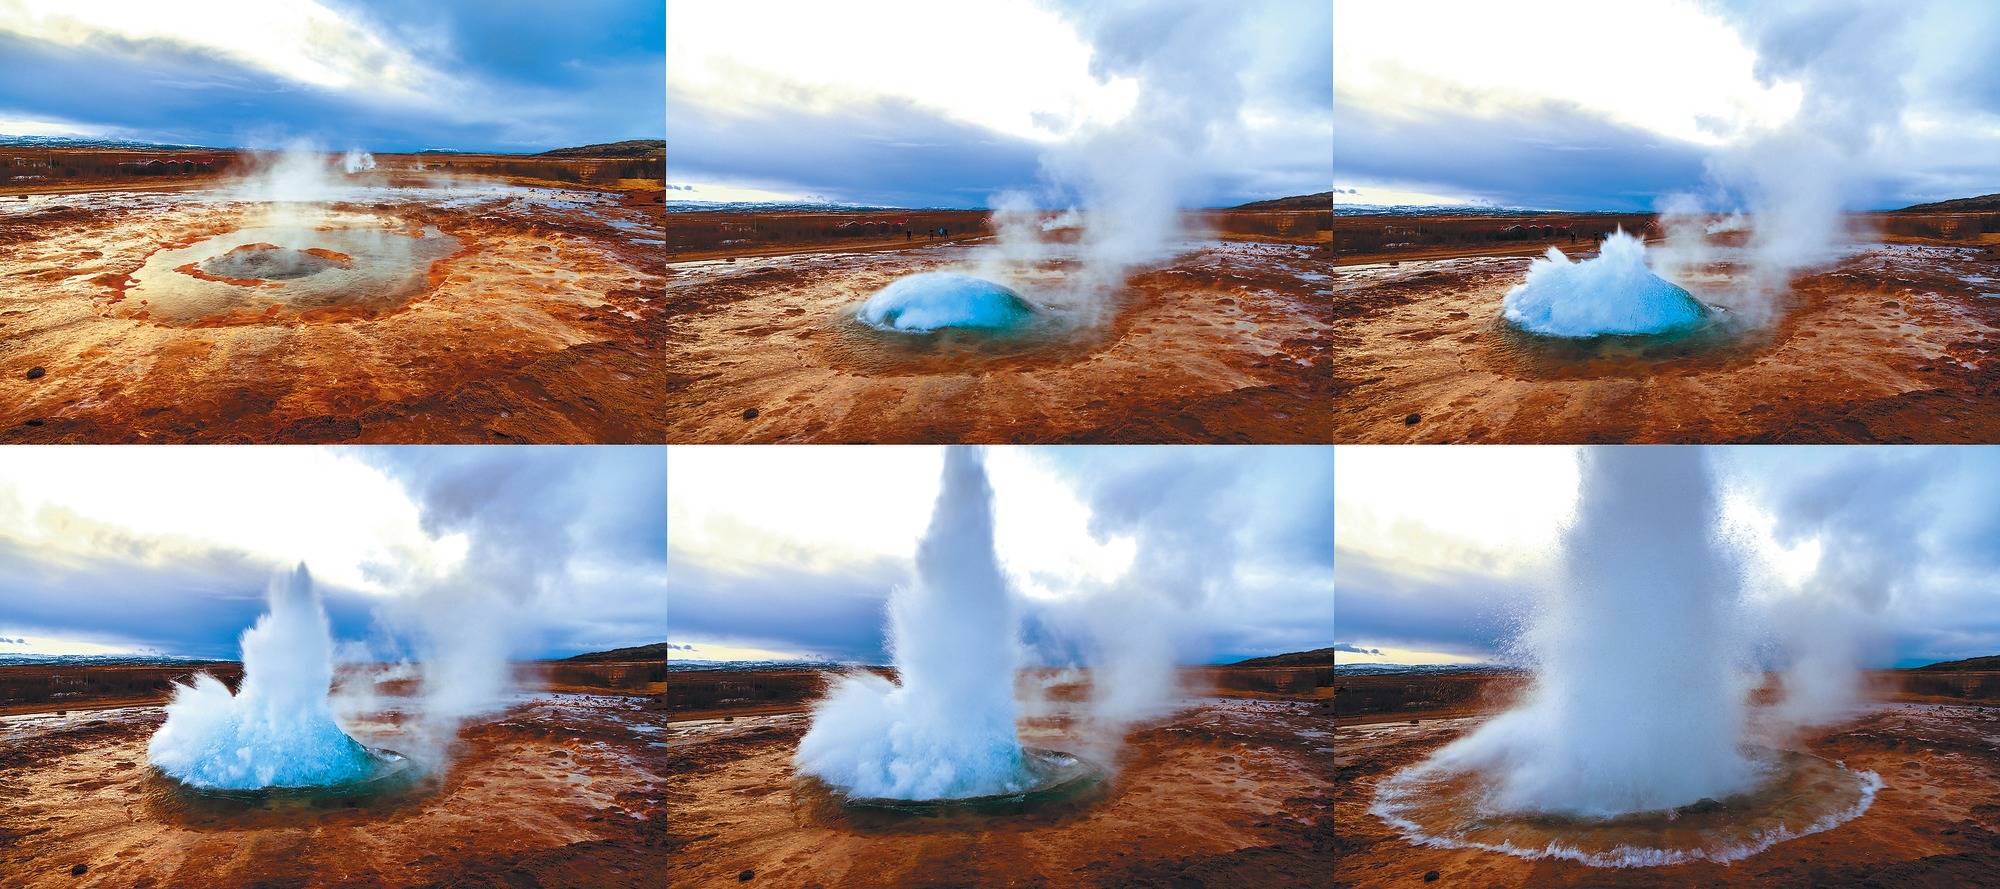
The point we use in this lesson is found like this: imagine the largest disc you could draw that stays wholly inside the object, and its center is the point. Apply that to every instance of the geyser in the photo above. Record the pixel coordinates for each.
(1615, 293)
(278, 731)
(945, 300)
(1635, 722)
(946, 729)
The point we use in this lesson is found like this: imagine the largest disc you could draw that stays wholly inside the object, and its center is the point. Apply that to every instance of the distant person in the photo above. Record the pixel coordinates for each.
(906, 235)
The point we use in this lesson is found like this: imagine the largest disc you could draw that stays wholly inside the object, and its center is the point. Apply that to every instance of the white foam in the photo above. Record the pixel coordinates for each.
(1614, 293)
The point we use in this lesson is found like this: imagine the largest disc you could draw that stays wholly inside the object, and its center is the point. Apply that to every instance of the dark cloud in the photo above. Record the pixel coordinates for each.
(1355, 649)
(1439, 610)
(1554, 157)
(891, 153)
(534, 78)
(832, 616)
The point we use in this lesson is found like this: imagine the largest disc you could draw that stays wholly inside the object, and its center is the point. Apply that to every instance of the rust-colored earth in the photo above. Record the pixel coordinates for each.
(543, 325)
(562, 789)
(1231, 790)
(1895, 343)
(1935, 822)
(1229, 342)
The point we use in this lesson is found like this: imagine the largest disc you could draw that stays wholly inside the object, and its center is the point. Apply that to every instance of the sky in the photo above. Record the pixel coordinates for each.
(910, 103)
(1441, 552)
(1613, 109)
(163, 550)
(792, 552)
(371, 74)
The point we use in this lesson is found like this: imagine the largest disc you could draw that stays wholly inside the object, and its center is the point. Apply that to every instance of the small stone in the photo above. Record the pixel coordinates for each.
(746, 876)
(79, 870)
(36, 373)
(1413, 419)
(749, 413)
(35, 422)
(1430, 876)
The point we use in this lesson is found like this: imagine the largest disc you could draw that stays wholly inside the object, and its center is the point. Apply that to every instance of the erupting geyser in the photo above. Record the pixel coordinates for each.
(278, 731)
(940, 300)
(947, 730)
(1615, 293)
(1630, 748)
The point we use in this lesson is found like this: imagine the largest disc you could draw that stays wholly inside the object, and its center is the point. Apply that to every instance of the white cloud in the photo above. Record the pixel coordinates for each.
(1010, 66)
(300, 40)
(1673, 68)
(355, 525)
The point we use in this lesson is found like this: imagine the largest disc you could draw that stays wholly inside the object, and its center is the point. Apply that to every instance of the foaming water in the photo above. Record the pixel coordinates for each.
(278, 730)
(1799, 795)
(1615, 293)
(932, 301)
(947, 730)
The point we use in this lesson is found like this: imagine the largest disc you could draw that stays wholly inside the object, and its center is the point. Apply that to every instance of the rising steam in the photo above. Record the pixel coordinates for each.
(945, 730)
(1637, 703)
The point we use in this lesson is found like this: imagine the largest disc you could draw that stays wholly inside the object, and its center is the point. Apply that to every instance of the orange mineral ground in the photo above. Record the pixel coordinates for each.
(1232, 790)
(1230, 341)
(1892, 343)
(1934, 823)
(401, 308)
(563, 788)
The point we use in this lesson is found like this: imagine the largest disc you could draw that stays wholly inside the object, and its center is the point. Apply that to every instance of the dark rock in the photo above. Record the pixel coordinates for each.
(746, 876)
(1704, 804)
(1430, 876)
(35, 373)
(1413, 419)
(749, 413)
(79, 870)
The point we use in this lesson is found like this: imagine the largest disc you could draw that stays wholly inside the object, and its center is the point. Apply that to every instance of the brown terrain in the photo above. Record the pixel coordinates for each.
(1233, 789)
(1892, 344)
(1228, 342)
(561, 789)
(535, 318)
(1932, 734)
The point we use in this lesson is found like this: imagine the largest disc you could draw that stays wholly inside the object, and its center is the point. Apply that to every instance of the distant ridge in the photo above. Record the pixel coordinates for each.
(1318, 657)
(107, 144)
(1990, 662)
(1981, 204)
(656, 651)
(627, 148)
(1321, 201)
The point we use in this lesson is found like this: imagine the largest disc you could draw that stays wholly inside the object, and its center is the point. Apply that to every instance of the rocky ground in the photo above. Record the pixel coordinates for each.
(542, 325)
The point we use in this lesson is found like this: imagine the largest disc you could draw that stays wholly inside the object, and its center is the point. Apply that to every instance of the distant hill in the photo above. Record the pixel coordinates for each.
(1321, 201)
(656, 651)
(627, 148)
(1982, 204)
(1990, 662)
(107, 144)
(1318, 657)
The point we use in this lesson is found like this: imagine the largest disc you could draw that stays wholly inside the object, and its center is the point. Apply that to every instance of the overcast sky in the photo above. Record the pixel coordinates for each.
(792, 552)
(167, 550)
(1442, 551)
(1471, 102)
(915, 103)
(385, 76)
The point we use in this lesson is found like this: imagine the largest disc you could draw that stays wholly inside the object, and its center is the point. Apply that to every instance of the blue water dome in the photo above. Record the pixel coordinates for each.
(943, 300)
(1614, 294)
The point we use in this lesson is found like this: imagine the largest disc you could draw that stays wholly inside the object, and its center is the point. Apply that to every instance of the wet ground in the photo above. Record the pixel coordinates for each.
(1229, 342)
(1896, 343)
(468, 312)
(1226, 792)
(559, 790)
(1934, 822)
